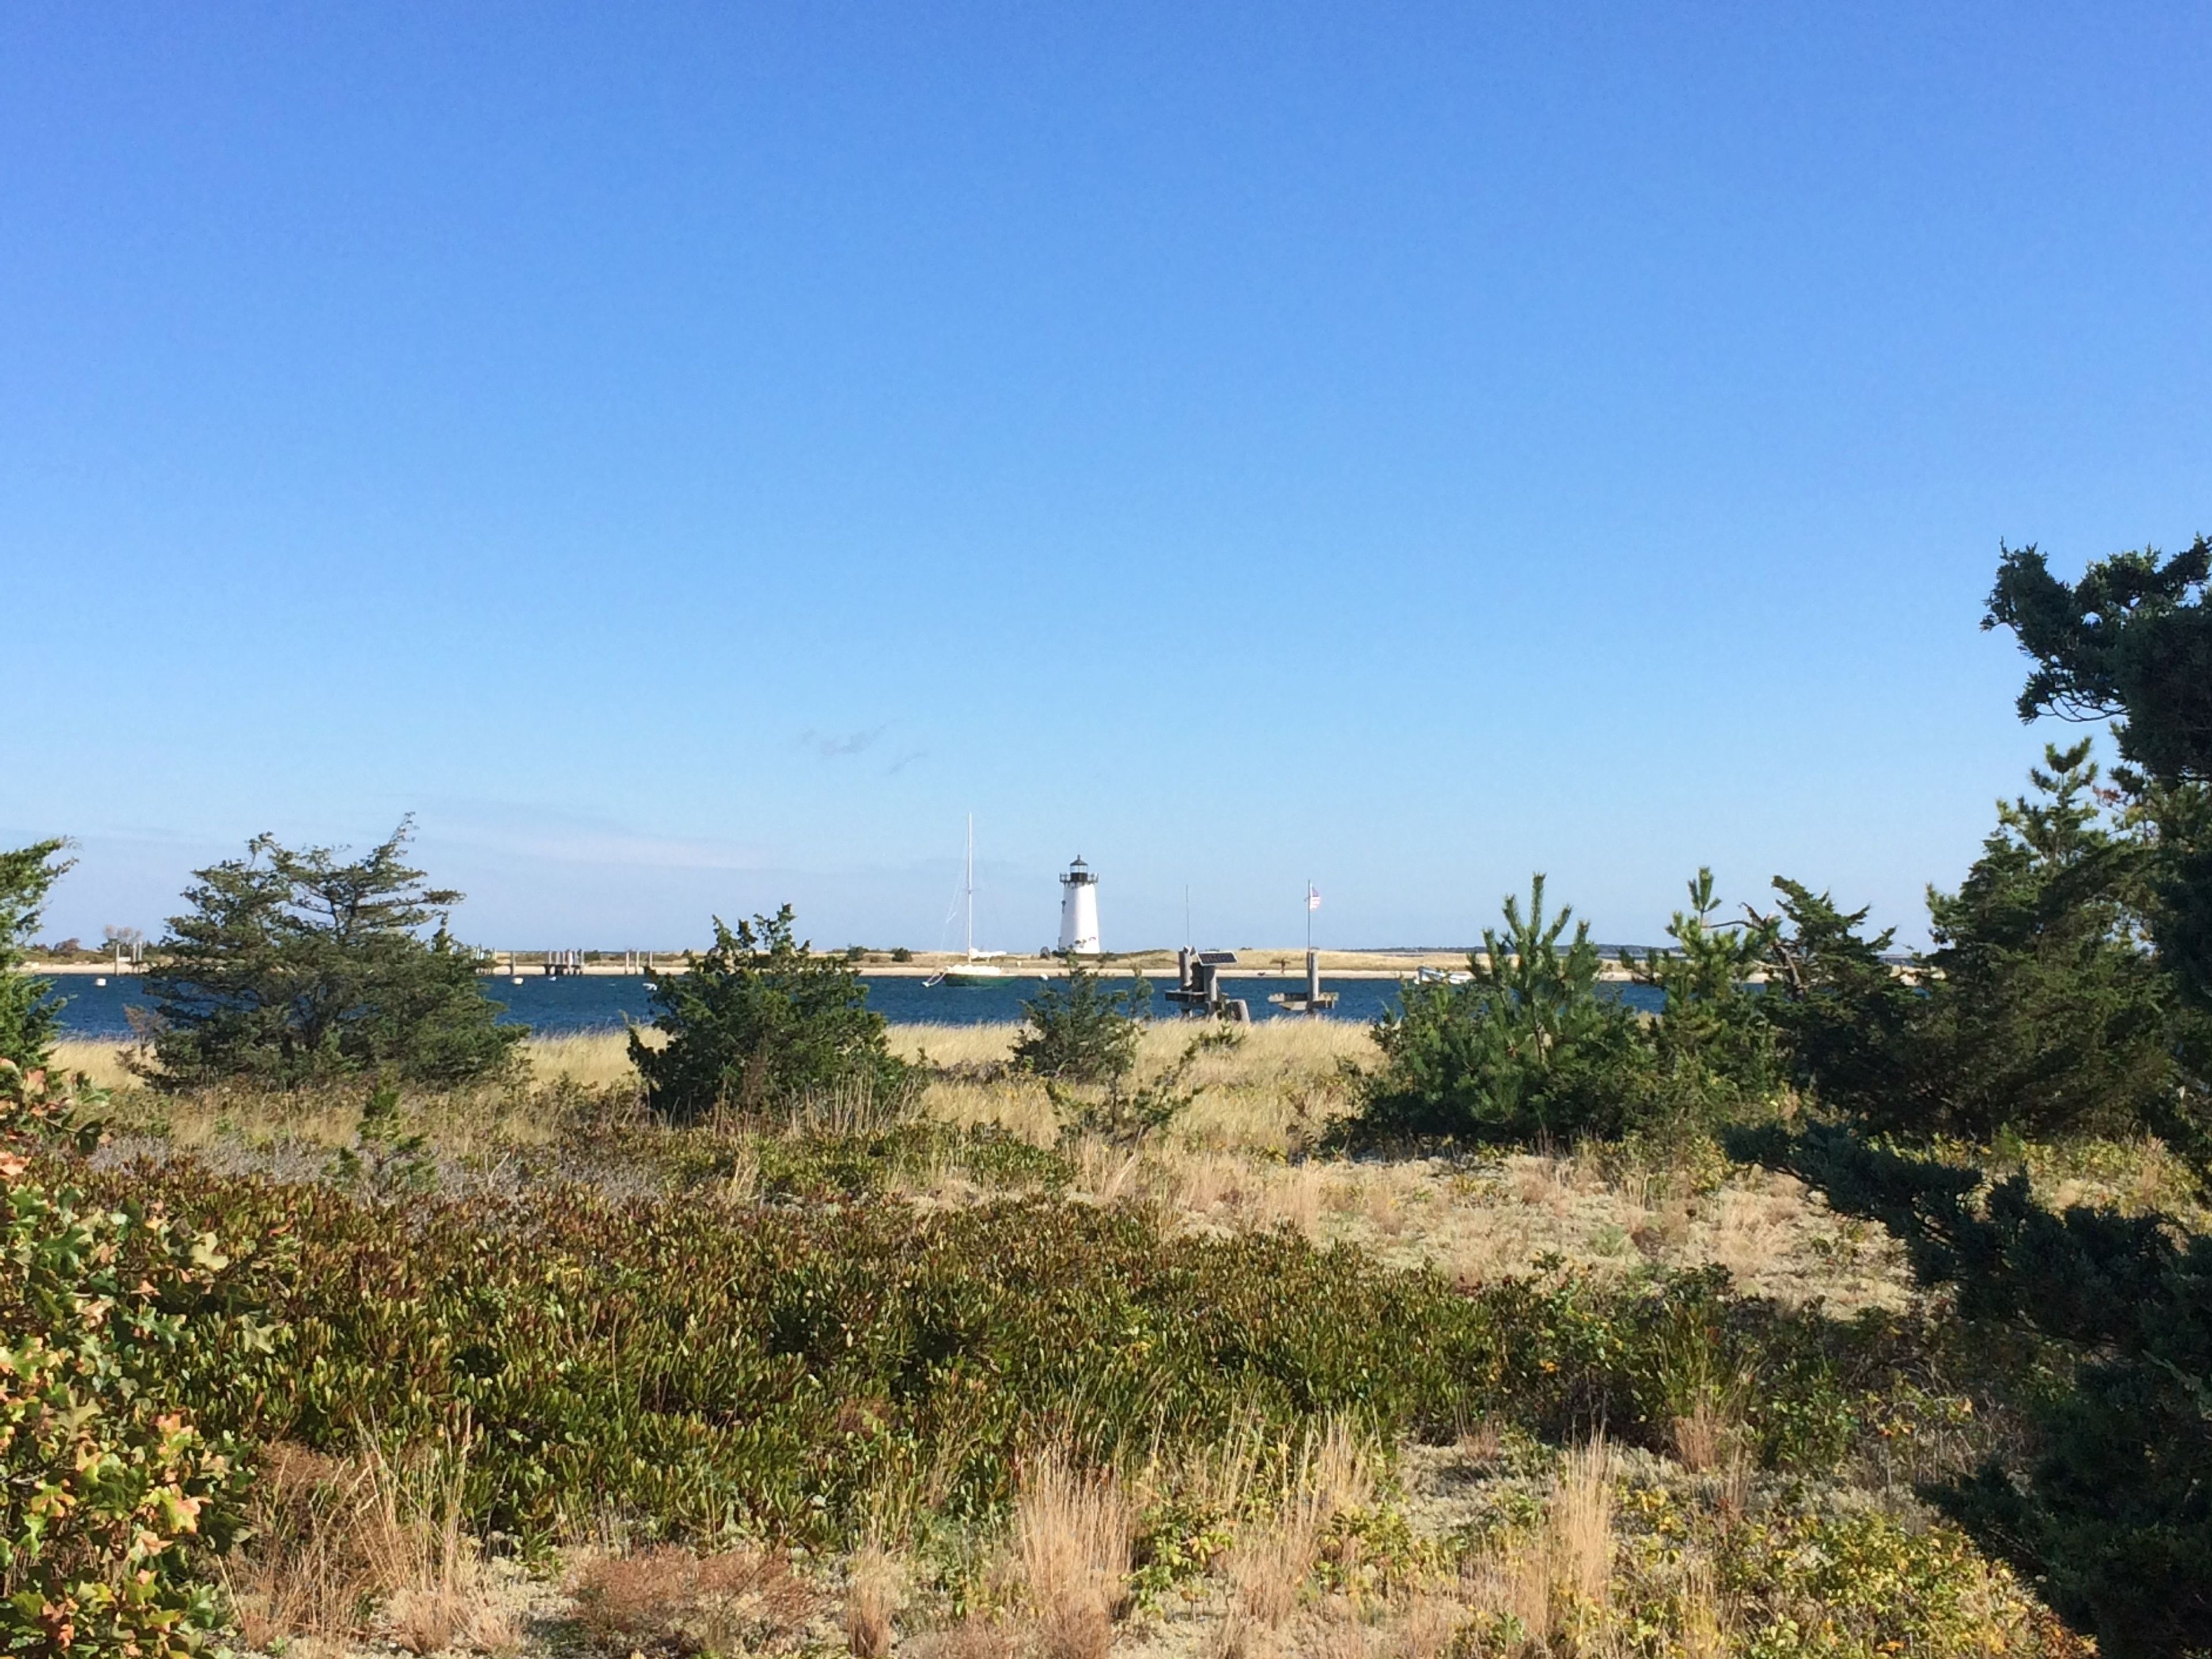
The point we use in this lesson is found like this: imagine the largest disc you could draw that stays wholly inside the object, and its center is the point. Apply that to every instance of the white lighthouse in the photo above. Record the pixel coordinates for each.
(1079, 911)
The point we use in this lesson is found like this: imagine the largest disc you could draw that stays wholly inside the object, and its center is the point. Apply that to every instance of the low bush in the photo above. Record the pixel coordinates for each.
(1078, 1030)
(759, 1022)
(842, 1352)
(1528, 1047)
(817, 1166)
(2106, 1506)
(111, 1495)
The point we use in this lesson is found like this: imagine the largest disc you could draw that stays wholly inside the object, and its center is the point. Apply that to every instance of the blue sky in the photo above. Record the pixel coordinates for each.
(691, 456)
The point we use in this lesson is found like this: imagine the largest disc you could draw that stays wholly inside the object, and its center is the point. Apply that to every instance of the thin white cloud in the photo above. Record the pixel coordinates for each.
(831, 745)
(558, 838)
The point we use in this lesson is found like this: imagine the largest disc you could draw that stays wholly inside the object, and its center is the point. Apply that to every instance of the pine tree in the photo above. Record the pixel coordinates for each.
(28, 1008)
(2048, 1012)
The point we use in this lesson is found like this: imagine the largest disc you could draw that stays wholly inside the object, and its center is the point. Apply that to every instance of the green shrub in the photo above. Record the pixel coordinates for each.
(292, 967)
(780, 1368)
(111, 1495)
(1526, 1048)
(831, 1166)
(27, 1006)
(2108, 1508)
(383, 1159)
(1077, 1030)
(760, 1022)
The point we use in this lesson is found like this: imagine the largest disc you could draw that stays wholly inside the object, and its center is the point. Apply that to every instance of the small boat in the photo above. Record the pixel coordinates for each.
(978, 969)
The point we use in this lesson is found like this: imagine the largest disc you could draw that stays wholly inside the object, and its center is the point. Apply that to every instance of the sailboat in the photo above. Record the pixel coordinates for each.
(978, 969)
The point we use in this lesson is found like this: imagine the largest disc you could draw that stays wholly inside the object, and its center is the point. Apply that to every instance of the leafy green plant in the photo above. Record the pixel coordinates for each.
(838, 1351)
(291, 967)
(1078, 1031)
(1527, 1048)
(759, 1022)
(110, 1493)
(27, 1006)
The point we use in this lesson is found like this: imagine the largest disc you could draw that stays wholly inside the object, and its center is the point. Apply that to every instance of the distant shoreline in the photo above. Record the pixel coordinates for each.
(1273, 964)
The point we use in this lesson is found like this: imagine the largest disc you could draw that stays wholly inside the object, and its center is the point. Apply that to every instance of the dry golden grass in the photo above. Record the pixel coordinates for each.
(1272, 1093)
(675, 1601)
(1557, 1581)
(345, 1550)
(875, 1590)
(1271, 1561)
(103, 1062)
(1071, 1549)
(304, 1575)
(595, 1058)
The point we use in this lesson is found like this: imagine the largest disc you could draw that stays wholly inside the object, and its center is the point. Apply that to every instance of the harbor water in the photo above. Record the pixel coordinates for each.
(595, 1002)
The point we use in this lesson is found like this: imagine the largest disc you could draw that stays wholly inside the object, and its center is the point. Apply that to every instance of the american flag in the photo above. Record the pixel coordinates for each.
(1312, 896)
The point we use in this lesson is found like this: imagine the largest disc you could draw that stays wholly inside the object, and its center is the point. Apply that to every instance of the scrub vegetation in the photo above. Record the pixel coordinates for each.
(1852, 1304)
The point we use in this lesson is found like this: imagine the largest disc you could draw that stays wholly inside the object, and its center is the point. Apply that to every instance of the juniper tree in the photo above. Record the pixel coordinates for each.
(759, 1022)
(1850, 1025)
(292, 966)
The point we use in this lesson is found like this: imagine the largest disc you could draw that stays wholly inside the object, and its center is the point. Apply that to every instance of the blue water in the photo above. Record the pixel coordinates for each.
(599, 1003)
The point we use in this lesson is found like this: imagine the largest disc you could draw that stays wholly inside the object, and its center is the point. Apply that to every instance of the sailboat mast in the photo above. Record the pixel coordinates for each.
(971, 887)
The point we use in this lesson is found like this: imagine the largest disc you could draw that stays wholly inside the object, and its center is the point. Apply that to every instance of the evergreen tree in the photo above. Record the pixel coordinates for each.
(1715, 1045)
(2047, 1011)
(2132, 642)
(759, 1022)
(28, 1008)
(2108, 1512)
(1527, 1048)
(1850, 1024)
(1080, 1031)
(294, 966)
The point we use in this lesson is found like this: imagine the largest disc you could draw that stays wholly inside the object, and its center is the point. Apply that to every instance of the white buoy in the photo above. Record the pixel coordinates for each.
(1079, 911)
